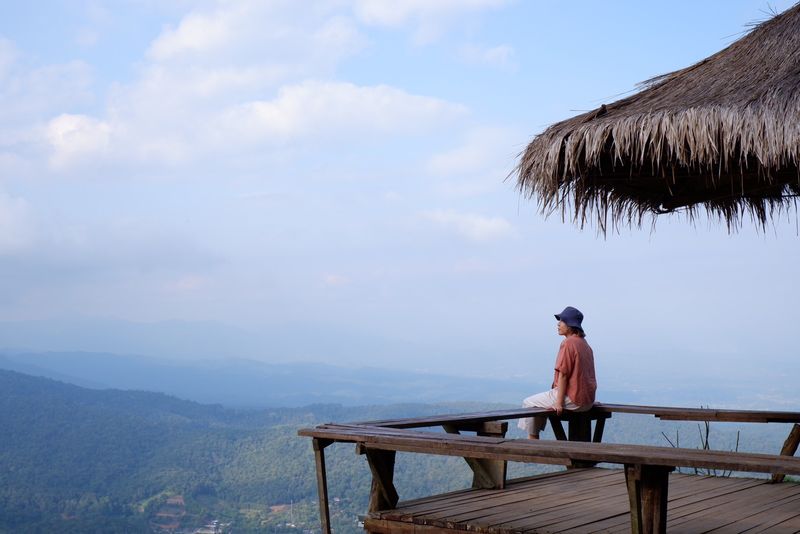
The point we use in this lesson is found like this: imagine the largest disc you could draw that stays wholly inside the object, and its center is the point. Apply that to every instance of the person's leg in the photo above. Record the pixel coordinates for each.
(534, 425)
(539, 424)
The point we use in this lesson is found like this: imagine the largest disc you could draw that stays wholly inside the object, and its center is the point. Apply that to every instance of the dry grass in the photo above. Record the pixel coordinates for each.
(723, 134)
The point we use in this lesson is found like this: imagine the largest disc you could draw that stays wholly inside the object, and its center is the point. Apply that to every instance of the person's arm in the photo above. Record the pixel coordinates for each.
(560, 393)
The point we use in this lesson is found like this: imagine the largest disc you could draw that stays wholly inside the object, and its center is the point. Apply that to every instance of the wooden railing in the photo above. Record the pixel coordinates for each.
(647, 468)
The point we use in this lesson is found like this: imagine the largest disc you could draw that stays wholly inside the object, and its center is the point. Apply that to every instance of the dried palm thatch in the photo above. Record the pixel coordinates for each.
(723, 134)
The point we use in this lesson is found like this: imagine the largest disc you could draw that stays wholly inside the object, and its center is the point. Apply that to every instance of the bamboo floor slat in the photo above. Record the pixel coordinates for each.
(595, 500)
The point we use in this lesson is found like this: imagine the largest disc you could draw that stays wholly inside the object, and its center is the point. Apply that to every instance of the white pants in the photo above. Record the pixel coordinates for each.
(546, 399)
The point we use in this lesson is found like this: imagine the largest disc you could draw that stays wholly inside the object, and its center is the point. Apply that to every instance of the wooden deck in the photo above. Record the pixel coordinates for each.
(647, 497)
(596, 500)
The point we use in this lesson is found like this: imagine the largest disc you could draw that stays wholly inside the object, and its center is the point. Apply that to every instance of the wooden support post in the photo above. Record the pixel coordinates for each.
(580, 426)
(322, 483)
(647, 492)
(632, 475)
(383, 495)
(492, 429)
(486, 474)
(496, 468)
(580, 429)
(599, 425)
(558, 428)
(788, 449)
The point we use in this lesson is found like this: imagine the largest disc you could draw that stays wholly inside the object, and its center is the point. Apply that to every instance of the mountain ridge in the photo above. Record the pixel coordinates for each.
(255, 384)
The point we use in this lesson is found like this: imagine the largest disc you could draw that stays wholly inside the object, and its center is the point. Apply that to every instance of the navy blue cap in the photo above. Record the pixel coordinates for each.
(571, 317)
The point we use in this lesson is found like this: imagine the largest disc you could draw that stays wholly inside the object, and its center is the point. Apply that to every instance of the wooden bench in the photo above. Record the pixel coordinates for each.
(647, 468)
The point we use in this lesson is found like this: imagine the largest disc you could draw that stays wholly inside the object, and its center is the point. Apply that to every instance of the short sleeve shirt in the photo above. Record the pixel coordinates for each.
(575, 360)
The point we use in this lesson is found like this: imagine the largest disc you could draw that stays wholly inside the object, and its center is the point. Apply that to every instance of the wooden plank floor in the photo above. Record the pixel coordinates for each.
(596, 500)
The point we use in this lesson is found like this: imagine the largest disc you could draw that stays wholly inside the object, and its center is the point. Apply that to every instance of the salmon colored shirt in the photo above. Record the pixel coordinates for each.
(575, 360)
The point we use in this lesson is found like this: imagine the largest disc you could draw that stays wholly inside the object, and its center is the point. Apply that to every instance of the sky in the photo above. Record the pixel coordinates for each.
(334, 173)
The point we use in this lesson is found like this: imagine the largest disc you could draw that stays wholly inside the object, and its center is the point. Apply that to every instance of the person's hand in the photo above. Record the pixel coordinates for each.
(558, 407)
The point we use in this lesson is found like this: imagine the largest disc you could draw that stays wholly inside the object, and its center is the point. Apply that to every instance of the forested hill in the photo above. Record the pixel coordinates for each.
(80, 460)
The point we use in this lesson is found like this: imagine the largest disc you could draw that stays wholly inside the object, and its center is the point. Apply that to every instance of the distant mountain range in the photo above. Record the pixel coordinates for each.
(245, 383)
(216, 363)
(288, 342)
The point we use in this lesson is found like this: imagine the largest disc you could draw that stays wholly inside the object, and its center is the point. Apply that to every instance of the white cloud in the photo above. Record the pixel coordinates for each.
(16, 224)
(196, 33)
(29, 98)
(471, 226)
(74, 138)
(482, 147)
(98, 21)
(239, 74)
(400, 12)
(429, 19)
(335, 280)
(501, 56)
(185, 90)
(316, 108)
(474, 265)
(188, 122)
(202, 90)
(87, 37)
(478, 165)
(166, 118)
(8, 55)
(255, 31)
(188, 283)
(31, 94)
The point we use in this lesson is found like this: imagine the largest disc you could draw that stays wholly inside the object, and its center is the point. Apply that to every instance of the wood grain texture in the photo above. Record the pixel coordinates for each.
(596, 500)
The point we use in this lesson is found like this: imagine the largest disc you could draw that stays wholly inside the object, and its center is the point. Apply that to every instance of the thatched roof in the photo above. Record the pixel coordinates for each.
(723, 134)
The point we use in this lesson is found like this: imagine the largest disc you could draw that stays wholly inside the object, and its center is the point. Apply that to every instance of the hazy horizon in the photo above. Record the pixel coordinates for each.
(167, 358)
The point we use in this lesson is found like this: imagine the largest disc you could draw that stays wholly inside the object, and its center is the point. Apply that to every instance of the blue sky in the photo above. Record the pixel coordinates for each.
(339, 167)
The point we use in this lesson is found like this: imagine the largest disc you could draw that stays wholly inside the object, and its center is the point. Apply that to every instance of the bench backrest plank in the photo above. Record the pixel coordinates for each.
(601, 410)
(704, 414)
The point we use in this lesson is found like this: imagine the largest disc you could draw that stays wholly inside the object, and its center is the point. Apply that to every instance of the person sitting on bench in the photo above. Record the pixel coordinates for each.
(574, 383)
